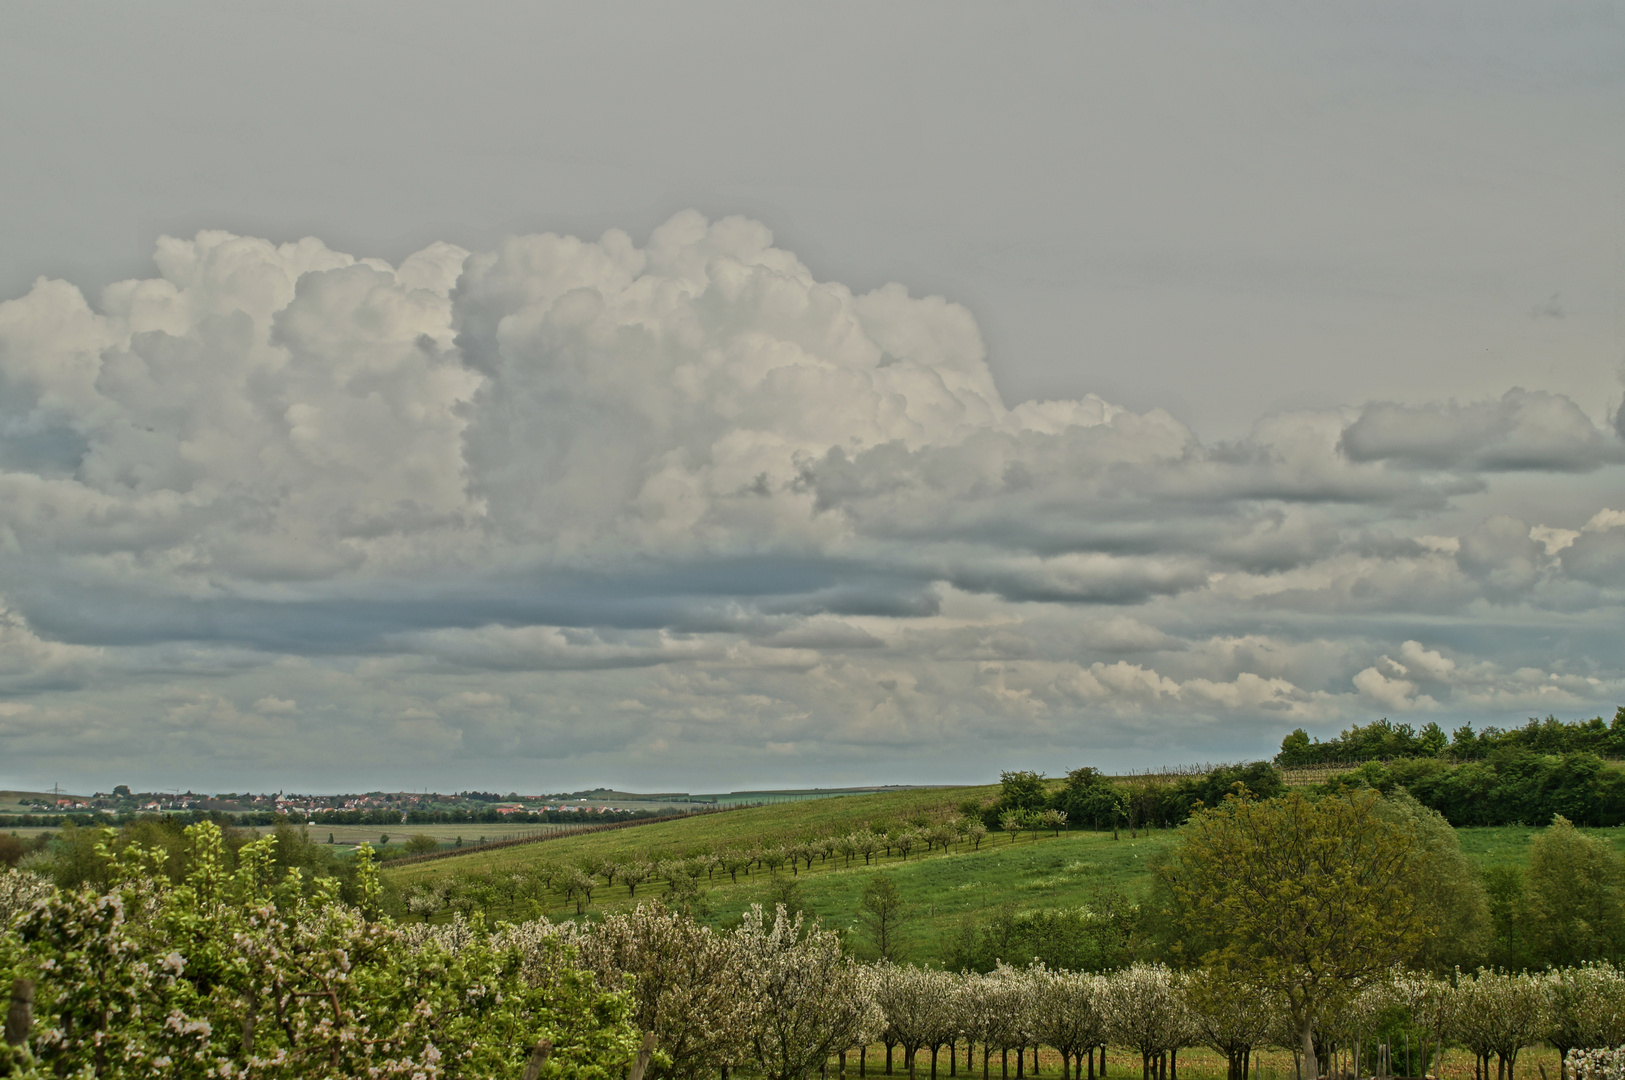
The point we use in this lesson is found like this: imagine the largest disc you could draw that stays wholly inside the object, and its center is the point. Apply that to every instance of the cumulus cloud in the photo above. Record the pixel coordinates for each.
(572, 497)
(1523, 431)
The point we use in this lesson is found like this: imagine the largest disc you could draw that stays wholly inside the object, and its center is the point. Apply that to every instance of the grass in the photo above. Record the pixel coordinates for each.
(942, 889)
(775, 824)
(1508, 845)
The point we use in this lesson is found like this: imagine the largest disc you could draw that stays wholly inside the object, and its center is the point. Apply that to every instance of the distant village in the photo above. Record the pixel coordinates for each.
(374, 807)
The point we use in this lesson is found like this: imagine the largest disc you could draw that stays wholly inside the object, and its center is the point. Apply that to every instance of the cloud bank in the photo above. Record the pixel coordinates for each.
(681, 509)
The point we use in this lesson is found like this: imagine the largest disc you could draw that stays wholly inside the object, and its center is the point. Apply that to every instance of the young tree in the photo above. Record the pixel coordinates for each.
(911, 999)
(1230, 1018)
(633, 874)
(1300, 898)
(1012, 822)
(1577, 897)
(1067, 1012)
(1145, 1008)
(882, 912)
(691, 986)
(868, 844)
(1587, 1009)
(1431, 1003)
(814, 1002)
(1499, 1013)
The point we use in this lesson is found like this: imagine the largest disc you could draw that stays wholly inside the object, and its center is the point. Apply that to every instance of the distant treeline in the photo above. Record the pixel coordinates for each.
(377, 815)
(1511, 786)
(1092, 800)
(468, 817)
(1383, 740)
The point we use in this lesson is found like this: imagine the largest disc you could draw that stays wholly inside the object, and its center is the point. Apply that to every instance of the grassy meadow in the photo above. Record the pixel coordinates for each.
(942, 890)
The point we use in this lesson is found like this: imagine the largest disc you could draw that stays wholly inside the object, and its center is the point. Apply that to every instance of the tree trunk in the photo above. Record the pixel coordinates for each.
(1311, 1066)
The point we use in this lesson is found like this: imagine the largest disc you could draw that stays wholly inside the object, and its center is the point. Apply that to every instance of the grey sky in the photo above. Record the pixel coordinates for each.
(1250, 216)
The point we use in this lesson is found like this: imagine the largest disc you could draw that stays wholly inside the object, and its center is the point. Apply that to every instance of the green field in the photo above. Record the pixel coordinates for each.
(776, 824)
(942, 889)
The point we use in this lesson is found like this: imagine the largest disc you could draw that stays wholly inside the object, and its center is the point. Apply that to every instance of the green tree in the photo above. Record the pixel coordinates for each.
(1089, 797)
(1299, 898)
(1450, 893)
(883, 912)
(1507, 895)
(1576, 897)
(1024, 791)
(1295, 748)
(421, 844)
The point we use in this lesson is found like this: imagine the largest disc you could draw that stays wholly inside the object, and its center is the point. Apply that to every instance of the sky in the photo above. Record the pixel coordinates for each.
(715, 396)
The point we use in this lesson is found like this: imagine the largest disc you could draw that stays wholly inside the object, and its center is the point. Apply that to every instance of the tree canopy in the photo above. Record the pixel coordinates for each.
(1299, 898)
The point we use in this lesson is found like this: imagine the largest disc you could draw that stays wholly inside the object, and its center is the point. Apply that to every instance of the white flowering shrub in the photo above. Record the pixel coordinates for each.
(1145, 1008)
(1587, 1008)
(1068, 1011)
(1498, 1014)
(691, 986)
(1600, 1064)
(238, 975)
(19, 891)
(815, 1002)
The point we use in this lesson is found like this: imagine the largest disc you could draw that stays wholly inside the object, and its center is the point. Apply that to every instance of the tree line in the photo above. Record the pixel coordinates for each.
(1383, 740)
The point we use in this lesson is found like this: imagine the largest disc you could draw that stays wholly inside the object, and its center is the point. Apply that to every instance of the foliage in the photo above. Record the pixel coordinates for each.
(814, 1001)
(1383, 740)
(882, 911)
(686, 982)
(1509, 786)
(1577, 897)
(1449, 894)
(1095, 936)
(244, 972)
(1298, 898)
(1497, 1013)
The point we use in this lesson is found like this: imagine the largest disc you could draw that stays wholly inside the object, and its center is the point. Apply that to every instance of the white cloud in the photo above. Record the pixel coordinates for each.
(567, 498)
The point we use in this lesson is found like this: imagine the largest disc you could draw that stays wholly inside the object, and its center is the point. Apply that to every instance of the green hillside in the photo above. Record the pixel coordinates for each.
(744, 828)
(943, 890)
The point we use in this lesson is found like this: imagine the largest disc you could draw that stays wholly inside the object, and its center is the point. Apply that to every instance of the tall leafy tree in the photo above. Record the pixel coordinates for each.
(1306, 899)
(1576, 895)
